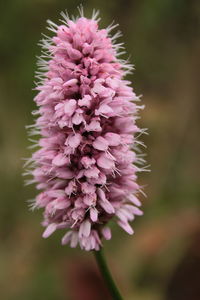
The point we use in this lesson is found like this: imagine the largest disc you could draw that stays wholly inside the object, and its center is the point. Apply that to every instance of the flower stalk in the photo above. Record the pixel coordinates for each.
(103, 267)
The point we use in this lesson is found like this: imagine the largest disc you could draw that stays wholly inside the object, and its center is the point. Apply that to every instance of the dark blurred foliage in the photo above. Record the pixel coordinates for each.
(161, 262)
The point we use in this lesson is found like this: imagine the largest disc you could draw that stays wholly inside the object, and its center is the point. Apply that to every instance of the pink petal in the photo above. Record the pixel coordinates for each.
(70, 82)
(101, 194)
(60, 160)
(86, 101)
(85, 228)
(74, 54)
(121, 216)
(55, 193)
(93, 172)
(87, 48)
(70, 107)
(80, 174)
(113, 139)
(90, 199)
(93, 126)
(66, 238)
(98, 88)
(87, 188)
(93, 214)
(65, 174)
(87, 161)
(106, 233)
(49, 230)
(126, 227)
(107, 206)
(113, 83)
(100, 144)
(61, 203)
(104, 109)
(104, 162)
(74, 240)
(77, 119)
(127, 213)
(134, 200)
(74, 140)
(136, 211)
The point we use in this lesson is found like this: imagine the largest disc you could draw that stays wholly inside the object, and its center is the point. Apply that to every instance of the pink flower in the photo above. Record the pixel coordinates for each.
(85, 167)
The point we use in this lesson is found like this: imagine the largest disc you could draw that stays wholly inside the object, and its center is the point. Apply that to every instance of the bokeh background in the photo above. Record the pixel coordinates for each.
(162, 260)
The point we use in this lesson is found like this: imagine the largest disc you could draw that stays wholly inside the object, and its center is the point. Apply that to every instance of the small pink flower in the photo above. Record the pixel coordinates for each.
(85, 167)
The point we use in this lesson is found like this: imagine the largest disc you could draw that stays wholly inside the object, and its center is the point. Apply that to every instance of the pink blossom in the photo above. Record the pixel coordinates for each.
(85, 167)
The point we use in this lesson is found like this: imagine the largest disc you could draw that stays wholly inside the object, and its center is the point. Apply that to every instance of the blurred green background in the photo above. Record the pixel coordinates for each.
(162, 260)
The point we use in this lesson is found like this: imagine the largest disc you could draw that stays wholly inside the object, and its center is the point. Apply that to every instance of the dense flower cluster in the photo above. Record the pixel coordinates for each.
(85, 165)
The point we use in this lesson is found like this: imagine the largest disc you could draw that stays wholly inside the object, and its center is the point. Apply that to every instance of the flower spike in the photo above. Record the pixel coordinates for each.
(85, 168)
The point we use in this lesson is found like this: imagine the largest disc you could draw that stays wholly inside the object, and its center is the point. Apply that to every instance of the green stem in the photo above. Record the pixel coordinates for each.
(107, 275)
